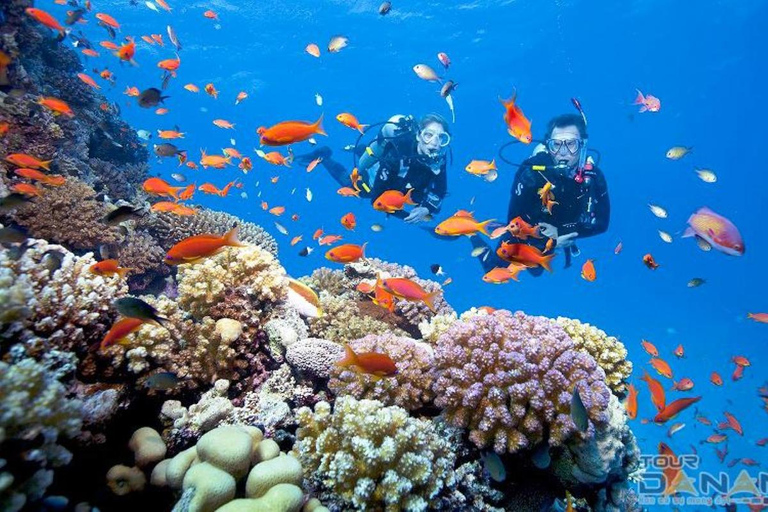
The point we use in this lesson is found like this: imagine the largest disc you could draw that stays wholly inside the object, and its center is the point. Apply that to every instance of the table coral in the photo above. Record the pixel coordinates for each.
(252, 269)
(409, 388)
(509, 379)
(608, 351)
(372, 456)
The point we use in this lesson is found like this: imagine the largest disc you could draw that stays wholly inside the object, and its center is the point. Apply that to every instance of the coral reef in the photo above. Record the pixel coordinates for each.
(314, 358)
(342, 321)
(509, 379)
(36, 412)
(371, 456)
(69, 215)
(409, 388)
(68, 309)
(609, 353)
(251, 269)
(145, 256)
(169, 229)
(433, 328)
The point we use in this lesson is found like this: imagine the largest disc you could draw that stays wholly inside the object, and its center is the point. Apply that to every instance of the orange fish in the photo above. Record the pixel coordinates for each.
(549, 245)
(522, 230)
(588, 271)
(131, 91)
(680, 351)
(87, 80)
(348, 192)
(163, 4)
(88, 52)
(158, 38)
(160, 187)
(45, 19)
(350, 121)
(223, 123)
(245, 164)
(741, 361)
(161, 111)
(277, 210)
(191, 164)
(192, 88)
(164, 206)
(364, 287)
(382, 297)
(170, 134)
(391, 201)
(109, 45)
(716, 438)
(650, 348)
(148, 40)
(188, 192)
(107, 75)
(684, 384)
(313, 50)
(57, 106)
(127, 51)
(758, 317)
(183, 210)
(349, 221)
(211, 15)
(232, 153)
(4, 128)
(657, 391)
(671, 467)
(618, 248)
(732, 423)
(501, 275)
(518, 125)
(274, 179)
(295, 240)
(527, 255)
(276, 158)
(108, 20)
(211, 90)
(347, 253)
(289, 132)
(373, 363)
(171, 66)
(406, 289)
(738, 373)
(195, 248)
(547, 197)
(215, 161)
(661, 367)
(631, 404)
(24, 160)
(318, 233)
(650, 262)
(675, 408)
(109, 268)
(240, 97)
(329, 239)
(26, 189)
(120, 330)
(715, 379)
(311, 166)
(295, 217)
(55, 180)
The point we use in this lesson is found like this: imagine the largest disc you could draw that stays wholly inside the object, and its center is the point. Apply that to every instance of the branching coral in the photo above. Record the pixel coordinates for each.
(70, 308)
(433, 328)
(608, 351)
(35, 413)
(251, 269)
(373, 456)
(509, 379)
(333, 281)
(142, 253)
(342, 322)
(409, 388)
(170, 229)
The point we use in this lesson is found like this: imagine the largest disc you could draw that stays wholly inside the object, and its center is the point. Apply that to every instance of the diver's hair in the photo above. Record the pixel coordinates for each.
(434, 118)
(564, 120)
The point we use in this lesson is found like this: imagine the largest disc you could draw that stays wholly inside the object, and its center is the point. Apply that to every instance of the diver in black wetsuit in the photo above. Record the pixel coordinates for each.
(406, 154)
(583, 207)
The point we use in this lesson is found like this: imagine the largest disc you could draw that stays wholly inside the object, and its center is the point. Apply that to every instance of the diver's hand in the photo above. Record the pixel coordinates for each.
(418, 214)
(567, 240)
(548, 230)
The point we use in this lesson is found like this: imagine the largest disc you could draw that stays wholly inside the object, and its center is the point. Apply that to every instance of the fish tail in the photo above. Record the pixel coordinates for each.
(317, 127)
(546, 262)
(429, 300)
(46, 165)
(349, 359)
(493, 165)
(483, 226)
(122, 272)
(362, 250)
(361, 128)
(230, 238)
(640, 99)
(408, 199)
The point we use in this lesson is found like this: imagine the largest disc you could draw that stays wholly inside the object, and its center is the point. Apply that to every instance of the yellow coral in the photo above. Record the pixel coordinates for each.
(433, 328)
(205, 283)
(608, 351)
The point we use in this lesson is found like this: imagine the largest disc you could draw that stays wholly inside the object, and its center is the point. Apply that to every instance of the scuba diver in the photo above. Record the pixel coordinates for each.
(580, 207)
(406, 154)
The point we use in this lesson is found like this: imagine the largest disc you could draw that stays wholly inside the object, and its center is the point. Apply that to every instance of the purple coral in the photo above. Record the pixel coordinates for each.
(509, 379)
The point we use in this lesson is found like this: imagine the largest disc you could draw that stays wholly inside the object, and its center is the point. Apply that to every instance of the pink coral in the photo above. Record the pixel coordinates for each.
(509, 378)
(410, 388)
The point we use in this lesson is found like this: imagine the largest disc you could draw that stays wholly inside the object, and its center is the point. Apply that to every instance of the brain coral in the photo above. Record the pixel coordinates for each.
(373, 456)
(409, 388)
(509, 379)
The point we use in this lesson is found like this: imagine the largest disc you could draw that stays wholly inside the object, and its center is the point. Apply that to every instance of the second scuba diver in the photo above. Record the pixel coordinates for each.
(406, 154)
(581, 205)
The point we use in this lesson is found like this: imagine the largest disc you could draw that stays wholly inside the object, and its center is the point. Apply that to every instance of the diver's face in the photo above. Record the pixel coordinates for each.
(566, 134)
(428, 139)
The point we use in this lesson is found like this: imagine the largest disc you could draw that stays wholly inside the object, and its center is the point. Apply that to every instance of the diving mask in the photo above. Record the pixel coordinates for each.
(427, 136)
(555, 145)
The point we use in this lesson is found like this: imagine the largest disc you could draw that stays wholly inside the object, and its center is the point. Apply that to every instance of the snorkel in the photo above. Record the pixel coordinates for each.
(579, 178)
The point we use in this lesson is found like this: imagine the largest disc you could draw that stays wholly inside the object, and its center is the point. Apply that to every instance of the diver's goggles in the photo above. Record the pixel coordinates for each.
(555, 145)
(427, 136)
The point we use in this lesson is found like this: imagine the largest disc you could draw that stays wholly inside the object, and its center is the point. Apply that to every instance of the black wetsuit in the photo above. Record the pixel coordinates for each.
(400, 168)
(583, 208)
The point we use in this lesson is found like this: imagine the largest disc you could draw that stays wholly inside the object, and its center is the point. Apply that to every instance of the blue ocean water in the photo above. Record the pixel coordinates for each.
(704, 60)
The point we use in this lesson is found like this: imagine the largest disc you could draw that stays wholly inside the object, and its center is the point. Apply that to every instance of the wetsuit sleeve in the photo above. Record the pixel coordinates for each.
(433, 199)
(601, 208)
